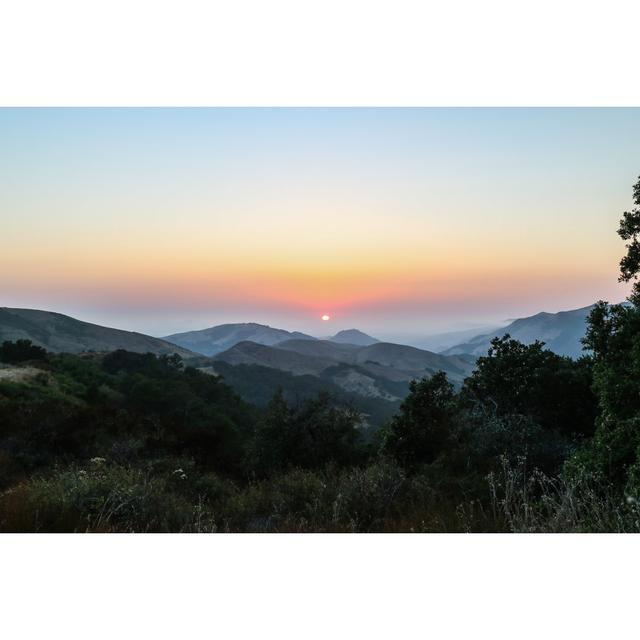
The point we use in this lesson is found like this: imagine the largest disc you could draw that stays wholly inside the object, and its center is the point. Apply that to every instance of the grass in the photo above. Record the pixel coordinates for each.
(532, 502)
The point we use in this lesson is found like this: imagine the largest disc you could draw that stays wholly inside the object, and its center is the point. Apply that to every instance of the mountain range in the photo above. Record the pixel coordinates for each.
(374, 379)
(381, 369)
(217, 339)
(256, 359)
(214, 340)
(561, 332)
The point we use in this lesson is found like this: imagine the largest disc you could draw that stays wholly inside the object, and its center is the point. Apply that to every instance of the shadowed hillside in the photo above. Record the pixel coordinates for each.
(59, 333)
(393, 362)
(257, 384)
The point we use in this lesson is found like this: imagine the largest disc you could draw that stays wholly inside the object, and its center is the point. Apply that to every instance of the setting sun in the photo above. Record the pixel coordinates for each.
(325, 317)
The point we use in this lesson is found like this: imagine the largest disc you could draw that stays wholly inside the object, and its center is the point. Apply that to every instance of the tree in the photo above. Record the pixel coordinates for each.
(21, 351)
(529, 380)
(613, 335)
(309, 437)
(419, 432)
(629, 230)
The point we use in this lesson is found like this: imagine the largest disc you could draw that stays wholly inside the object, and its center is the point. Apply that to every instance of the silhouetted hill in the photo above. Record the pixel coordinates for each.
(222, 337)
(320, 349)
(57, 332)
(358, 369)
(415, 361)
(561, 332)
(274, 357)
(258, 384)
(353, 336)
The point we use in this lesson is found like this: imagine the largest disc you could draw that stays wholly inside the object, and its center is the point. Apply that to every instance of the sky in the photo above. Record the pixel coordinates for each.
(400, 222)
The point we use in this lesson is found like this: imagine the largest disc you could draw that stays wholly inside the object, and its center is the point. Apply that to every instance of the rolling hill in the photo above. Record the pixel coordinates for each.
(257, 384)
(248, 352)
(385, 359)
(353, 336)
(561, 332)
(57, 332)
(217, 339)
(380, 370)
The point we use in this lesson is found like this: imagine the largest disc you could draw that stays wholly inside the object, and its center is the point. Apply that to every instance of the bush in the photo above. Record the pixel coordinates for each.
(528, 501)
(21, 351)
(309, 436)
(101, 498)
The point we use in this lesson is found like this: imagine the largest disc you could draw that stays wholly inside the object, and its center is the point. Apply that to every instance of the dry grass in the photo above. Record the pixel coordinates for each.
(528, 501)
(10, 373)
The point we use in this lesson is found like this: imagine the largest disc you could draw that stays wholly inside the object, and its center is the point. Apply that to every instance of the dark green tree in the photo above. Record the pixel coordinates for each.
(310, 436)
(629, 231)
(419, 432)
(21, 351)
(529, 380)
(613, 335)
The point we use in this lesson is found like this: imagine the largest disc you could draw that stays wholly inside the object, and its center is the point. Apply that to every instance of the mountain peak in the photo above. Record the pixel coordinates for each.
(214, 340)
(353, 336)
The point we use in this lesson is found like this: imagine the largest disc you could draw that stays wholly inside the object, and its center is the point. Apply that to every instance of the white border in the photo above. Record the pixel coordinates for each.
(319, 586)
(329, 52)
(319, 52)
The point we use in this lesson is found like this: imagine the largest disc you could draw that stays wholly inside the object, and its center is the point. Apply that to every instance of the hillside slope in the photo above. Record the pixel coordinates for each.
(217, 339)
(57, 332)
(275, 358)
(380, 361)
(561, 332)
(257, 384)
(353, 336)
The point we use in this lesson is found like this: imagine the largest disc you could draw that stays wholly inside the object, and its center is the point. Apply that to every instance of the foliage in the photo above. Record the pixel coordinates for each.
(629, 231)
(526, 500)
(528, 380)
(613, 335)
(308, 437)
(174, 449)
(21, 351)
(419, 432)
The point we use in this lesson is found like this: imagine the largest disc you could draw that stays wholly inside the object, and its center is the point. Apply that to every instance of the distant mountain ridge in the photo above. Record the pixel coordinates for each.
(439, 342)
(372, 375)
(59, 333)
(561, 332)
(217, 339)
(353, 336)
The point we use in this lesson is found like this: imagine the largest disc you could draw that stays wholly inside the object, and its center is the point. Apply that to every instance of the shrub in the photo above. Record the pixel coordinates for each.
(100, 498)
(528, 501)
(21, 351)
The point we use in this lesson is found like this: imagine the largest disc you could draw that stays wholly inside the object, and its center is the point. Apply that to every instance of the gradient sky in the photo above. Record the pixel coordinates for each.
(401, 222)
